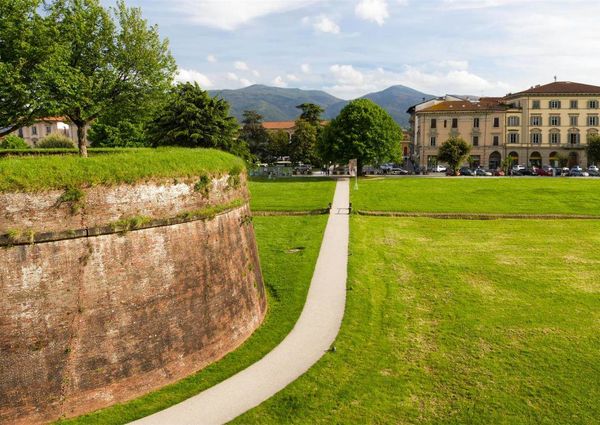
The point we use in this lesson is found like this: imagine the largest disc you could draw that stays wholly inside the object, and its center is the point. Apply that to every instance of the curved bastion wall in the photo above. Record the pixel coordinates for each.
(111, 292)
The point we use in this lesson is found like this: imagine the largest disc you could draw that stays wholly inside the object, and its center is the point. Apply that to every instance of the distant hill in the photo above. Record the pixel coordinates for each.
(279, 104)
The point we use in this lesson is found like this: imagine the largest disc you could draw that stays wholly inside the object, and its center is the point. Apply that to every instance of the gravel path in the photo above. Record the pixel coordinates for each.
(312, 336)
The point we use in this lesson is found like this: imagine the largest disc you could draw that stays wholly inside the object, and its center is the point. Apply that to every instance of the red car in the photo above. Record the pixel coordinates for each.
(544, 171)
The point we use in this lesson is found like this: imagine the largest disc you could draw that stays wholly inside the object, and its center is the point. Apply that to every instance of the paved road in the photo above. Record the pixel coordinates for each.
(311, 337)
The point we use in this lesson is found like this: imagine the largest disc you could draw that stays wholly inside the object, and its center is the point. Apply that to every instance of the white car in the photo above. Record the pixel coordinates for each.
(593, 168)
(439, 169)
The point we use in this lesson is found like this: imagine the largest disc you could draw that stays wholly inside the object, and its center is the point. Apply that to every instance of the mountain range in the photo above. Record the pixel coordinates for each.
(279, 104)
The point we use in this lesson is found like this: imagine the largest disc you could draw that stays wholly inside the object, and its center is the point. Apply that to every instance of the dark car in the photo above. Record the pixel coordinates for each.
(546, 170)
(481, 172)
(466, 171)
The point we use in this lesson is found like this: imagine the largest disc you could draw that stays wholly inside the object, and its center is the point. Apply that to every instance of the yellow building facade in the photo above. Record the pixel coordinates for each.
(544, 125)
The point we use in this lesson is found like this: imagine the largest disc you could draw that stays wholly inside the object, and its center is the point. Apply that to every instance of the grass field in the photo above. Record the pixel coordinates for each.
(536, 195)
(291, 194)
(38, 173)
(285, 243)
(459, 322)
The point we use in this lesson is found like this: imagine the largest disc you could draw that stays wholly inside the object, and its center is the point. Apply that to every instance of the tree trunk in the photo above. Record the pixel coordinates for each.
(82, 140)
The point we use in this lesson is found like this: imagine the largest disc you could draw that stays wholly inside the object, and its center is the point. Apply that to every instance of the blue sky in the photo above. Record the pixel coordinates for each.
(351, 47)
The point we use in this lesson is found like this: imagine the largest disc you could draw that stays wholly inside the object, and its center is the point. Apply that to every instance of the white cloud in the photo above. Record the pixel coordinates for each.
(230, 14)
(325, 24)
(279, 82)
(305, 67)
(232, 76)
(255, 73)
(242, 66)
(211, 58)
(192, 76)
(245, 82)
(477, 4)
(292, 77)
(347, 75)
(372, 10)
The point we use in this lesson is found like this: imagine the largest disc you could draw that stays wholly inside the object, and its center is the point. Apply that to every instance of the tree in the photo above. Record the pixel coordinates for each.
(279, 145)
(364, 131)
(255, 135)
(311, 113)
(303, 144)
(123, 133)
(13, 142)
(109, 61)
(454, 152)
(192, 118)
(593, 149)
(27, 58)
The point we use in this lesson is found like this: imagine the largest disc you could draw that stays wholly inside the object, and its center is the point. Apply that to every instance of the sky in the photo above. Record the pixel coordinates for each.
(349, 48)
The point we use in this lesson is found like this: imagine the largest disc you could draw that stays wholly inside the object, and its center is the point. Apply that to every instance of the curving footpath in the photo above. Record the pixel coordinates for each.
(314, 333)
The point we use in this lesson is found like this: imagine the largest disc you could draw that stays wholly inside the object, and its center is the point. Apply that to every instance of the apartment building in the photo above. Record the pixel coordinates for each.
(51, 125)
(537, 126)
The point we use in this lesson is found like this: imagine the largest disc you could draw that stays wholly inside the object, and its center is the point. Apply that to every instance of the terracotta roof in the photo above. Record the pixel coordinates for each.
(53, 119)
(459, 106)
(279, 125)
(559, 87)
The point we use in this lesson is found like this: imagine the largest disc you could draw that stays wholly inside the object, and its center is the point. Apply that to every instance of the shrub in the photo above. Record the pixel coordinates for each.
(55, 141)
(13, 142)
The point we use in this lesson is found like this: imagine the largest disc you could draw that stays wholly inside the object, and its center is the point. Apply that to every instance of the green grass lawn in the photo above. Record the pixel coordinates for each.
(291, 194)
(536, 195)
(38, 173)
(288, 249)
(459, 322)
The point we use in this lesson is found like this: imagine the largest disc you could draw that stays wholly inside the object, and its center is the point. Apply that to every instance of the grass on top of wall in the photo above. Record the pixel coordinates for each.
(39, 173)
(459, 322)
(516, 195)
(289, 244)
(291, 194)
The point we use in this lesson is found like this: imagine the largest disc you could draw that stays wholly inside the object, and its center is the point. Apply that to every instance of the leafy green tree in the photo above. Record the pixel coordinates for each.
(364, 131)
(256, 136)
(110, 59)
(193, 119)
(454, 152)
(123, 133)
(303, 144)
(13, 142)
(279, 145)
(27, 59)
(311, 113)
(593, 149)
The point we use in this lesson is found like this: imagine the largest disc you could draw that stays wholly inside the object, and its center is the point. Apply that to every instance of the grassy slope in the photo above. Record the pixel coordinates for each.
(480, 195)
(453, 322)
(294, 194)
(287, 293)
(54, 172)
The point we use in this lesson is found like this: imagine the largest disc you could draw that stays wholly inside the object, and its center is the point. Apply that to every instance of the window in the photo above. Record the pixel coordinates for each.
(513, 121)
(592, 120)
(20, 132)
(573, 120)
(496, 122)
(535, 104)
(574, 138)
(475, 140)
(476, 122)
(513, 137)
(535, 138)
(48, 129)
(496, 140)
(554, 104)
(555, 120)
(555, 138)
(454, 122)
(433, 123)
(574, 104)
(593, 104)
(34, 130)
(536, 120)
(432, 141)
(445, 123)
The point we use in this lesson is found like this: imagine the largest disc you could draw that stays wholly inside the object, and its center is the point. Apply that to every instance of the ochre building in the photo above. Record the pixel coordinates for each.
(539, 126)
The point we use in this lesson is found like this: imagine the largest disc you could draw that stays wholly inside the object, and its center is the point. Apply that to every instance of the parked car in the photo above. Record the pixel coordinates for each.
(577, 173)
(517, 168)
(466, 171)
(546, 170)
(564, 171)
(303, 169)
(398, 171)
(594, 168)
(593, 173)
(499, 172)
(438, 169)
(482, 172)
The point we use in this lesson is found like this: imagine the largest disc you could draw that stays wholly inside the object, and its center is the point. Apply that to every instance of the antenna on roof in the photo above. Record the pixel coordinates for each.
(555, 78)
